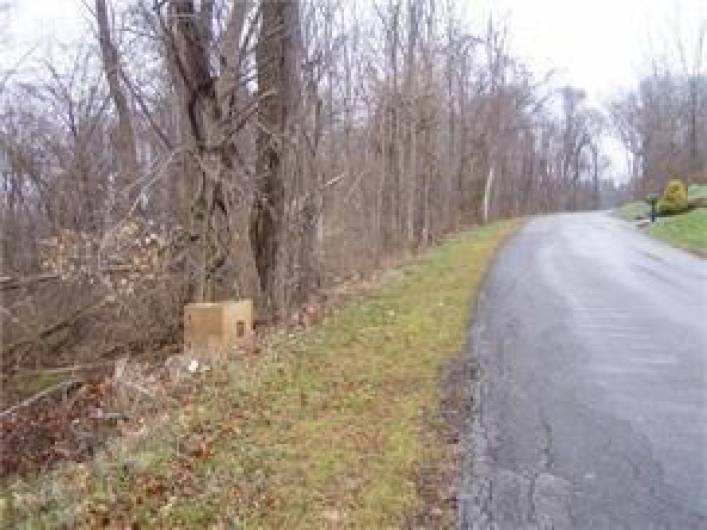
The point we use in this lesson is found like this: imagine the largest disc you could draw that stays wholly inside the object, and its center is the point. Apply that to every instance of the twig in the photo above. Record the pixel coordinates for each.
(8, 283)
(57, 326)
(66, 385)
(111, 416)
(66, 369)
(140, 389)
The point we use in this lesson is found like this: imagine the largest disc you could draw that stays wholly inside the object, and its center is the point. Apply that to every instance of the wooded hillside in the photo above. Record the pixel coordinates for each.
(215, 149)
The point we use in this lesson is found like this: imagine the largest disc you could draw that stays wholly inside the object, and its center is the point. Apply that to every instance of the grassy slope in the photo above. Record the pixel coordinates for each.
(687, 230)
(329, 427)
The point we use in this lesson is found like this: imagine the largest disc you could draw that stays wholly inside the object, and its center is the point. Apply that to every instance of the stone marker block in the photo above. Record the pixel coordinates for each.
(217, 327)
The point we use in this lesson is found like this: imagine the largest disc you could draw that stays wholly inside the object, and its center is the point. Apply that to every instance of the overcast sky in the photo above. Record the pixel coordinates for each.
(599, 45)
(602, 46)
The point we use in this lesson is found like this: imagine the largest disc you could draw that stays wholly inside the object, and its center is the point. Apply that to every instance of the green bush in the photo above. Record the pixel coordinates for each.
(674, 199)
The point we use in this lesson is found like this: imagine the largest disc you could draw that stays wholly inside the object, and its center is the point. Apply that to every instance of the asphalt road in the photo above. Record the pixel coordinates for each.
(591, 397)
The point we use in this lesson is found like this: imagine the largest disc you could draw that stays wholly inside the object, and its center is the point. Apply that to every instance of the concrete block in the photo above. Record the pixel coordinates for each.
(217, 327)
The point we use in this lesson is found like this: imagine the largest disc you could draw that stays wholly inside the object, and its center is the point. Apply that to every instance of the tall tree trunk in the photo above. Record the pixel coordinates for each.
(693, 126)
(488, 190)
(278, 88)
(189, 46)
(596, 199)
(125, 135)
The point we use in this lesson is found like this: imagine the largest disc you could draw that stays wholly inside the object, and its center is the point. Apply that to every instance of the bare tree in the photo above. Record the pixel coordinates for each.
(277, 146)
(279, 87)
(125, 136)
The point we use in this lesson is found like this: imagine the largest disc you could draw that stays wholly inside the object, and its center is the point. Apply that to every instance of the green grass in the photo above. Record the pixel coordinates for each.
(688, 230)
(326, 428)
(635, 210)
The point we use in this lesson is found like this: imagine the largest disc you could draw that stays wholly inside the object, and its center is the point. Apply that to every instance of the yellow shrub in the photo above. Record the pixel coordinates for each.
(674, 199)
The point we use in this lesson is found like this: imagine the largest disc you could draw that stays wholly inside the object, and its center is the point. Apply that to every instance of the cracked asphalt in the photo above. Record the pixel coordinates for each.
(590, 402)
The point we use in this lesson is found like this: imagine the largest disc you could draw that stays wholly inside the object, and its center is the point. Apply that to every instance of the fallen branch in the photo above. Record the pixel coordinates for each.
(9, 283)
(145, 392)
(66, 369)
(68, 386)
(138, 388)
(109, 416)
(57, 326)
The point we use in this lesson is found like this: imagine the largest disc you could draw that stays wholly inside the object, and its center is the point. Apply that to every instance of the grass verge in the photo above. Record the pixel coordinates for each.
(687, 230)
(328, 428)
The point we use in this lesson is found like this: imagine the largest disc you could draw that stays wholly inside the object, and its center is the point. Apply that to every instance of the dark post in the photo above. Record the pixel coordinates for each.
(652, 200)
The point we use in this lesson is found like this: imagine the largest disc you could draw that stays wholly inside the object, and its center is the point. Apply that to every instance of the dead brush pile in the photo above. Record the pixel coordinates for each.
(73, 419)
(94, 297)
(81, 408)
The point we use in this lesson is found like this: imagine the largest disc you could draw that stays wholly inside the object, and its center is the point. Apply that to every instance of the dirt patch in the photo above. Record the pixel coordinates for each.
(438, 482)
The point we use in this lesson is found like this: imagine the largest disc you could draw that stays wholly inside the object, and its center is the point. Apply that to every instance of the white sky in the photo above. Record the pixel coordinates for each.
(602, 46)
(37, 21)
(599, 45)
(33, 29)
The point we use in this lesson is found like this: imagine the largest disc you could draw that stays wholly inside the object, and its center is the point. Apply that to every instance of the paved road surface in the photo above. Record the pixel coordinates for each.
(591, 401)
